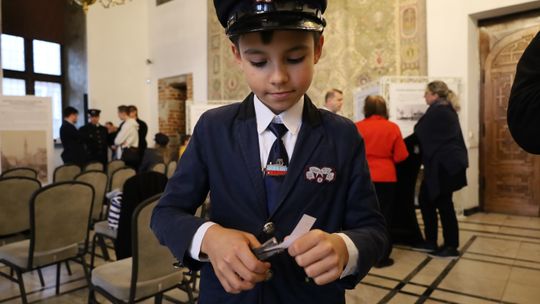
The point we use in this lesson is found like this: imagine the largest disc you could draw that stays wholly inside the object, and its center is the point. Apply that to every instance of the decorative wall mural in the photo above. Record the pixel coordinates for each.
(364, 40)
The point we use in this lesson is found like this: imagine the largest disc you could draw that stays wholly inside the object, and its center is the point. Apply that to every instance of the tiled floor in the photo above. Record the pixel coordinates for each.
(500, 263)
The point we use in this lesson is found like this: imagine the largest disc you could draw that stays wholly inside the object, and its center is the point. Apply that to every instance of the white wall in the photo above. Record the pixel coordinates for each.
(120, 39)
(117, 45)
(178, 45)
(452, 36)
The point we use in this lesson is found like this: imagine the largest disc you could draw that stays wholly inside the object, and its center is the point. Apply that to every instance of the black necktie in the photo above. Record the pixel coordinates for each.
(278, 160)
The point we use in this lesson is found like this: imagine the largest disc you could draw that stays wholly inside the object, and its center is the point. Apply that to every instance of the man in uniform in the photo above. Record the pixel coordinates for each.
(94, 137)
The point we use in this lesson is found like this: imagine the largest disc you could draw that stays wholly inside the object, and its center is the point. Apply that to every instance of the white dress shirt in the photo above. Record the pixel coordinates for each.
(292, 119)
(128, 136)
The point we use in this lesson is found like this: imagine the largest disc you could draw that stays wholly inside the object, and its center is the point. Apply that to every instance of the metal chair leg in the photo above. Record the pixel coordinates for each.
(21, 286)
(104, 249)
(158, 299)
(58, 267)
(68, 268)
(85, 269)
(41, 277)
(93, 253)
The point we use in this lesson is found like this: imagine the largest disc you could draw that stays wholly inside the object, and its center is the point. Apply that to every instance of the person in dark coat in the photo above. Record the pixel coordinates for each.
(524, 103)
(445, 161)
(136, 189)
(70, 137)
(94, 137)
(159, 154)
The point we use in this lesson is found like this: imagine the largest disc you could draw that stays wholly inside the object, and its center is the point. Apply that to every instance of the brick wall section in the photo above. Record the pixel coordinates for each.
(173, 93)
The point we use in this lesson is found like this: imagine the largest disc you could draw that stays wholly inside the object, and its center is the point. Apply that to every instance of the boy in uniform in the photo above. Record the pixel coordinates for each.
(267, 162)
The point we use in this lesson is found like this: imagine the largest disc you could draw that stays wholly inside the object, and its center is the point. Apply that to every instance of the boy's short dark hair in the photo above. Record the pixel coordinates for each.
(68, 111)
(123, 109)
(161, 139)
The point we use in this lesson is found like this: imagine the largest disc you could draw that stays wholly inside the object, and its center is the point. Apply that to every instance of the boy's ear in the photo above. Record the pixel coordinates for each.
(318, 49)
(236, 54)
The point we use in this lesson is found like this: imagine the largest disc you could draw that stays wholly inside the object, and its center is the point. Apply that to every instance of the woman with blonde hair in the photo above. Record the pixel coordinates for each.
(445, 161)
(384, 148)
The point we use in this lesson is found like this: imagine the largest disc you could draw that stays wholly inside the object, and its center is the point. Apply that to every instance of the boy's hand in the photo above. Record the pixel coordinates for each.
(322, 255)
(230, 253)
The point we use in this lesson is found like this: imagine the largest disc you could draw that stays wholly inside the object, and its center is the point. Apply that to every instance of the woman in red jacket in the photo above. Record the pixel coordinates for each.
(384, 148)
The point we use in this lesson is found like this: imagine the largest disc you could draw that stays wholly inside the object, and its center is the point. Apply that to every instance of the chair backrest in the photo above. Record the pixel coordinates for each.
(159, 167)
(66, 173)
(114, 165)
(171, 167)
(20, 172)
(119, 177)
(60, 216)
(99, 181)
(137, 189)
(94, 166)
(15, 194)
(151, 260)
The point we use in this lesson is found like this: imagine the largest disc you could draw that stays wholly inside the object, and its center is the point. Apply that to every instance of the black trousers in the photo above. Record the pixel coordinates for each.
(386, 196)
(444, 204)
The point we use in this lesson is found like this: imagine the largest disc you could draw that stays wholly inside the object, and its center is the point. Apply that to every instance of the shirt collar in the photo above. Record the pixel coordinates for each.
(292, 118)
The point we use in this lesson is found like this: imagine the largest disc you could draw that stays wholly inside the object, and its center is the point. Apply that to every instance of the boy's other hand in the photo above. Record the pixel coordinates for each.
(230, 253)
(322, 255)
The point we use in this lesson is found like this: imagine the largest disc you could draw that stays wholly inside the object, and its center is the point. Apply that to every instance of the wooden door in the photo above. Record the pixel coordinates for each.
(510, 177)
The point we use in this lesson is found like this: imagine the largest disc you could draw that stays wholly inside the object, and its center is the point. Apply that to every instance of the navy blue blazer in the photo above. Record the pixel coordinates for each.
(223, 158)
(71, 139)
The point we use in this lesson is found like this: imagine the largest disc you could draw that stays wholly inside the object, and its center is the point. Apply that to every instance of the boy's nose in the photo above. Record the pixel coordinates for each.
(279, 75)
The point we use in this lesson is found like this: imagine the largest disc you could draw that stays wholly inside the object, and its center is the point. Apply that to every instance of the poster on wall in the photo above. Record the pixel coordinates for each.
(25, 134)
(194, 110)
(405, 98)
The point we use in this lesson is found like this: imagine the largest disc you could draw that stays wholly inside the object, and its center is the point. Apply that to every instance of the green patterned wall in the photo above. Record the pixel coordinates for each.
(364, 40)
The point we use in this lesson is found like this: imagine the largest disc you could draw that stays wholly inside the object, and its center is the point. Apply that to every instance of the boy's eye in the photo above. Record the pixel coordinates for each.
(258, 64)
(296, 60)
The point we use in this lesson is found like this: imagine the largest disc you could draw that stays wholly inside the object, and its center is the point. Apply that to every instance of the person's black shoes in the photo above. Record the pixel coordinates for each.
(384, 263)
(445, 253)
(424, 247)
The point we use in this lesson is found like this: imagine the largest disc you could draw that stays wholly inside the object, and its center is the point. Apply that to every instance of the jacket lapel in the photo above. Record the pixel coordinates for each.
(247, 137)
(309, 137)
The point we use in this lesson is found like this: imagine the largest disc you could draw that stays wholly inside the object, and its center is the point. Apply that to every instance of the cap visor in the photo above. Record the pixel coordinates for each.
(274, 21)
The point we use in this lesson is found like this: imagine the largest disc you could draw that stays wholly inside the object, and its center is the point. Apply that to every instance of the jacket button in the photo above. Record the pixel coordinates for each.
(268, 228)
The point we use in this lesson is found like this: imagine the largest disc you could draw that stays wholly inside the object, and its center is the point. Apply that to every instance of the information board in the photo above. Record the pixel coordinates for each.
(26, 134)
